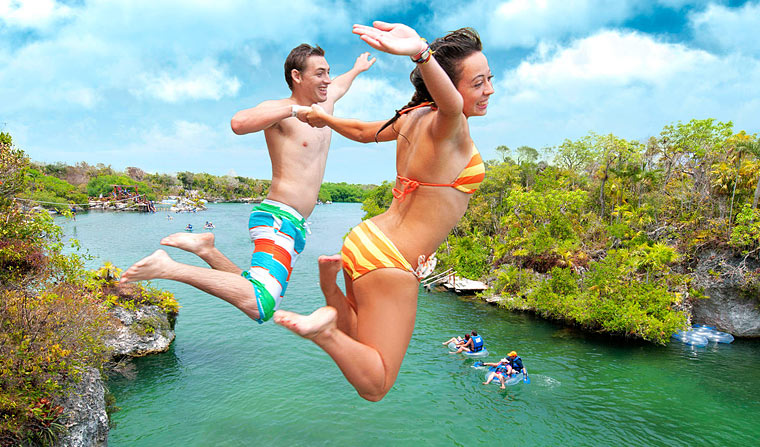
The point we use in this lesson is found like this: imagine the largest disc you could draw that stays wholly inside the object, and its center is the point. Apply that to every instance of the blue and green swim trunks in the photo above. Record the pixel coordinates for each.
(279, 234)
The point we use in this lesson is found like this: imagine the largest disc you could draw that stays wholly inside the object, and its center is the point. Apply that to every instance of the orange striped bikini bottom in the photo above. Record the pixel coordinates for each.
(367, 248)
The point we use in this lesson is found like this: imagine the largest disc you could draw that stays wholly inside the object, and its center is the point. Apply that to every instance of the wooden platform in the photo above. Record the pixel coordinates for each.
(449, 280)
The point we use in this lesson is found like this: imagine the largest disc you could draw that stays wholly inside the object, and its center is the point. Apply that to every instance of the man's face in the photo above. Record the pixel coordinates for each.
(315, 78)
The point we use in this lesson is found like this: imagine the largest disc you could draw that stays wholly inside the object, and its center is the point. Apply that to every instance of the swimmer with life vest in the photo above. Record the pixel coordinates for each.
(474, 343)
(505, 368)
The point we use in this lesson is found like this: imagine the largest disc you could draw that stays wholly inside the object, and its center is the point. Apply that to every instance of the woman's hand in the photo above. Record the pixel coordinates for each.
(393, 38)
(316, 116)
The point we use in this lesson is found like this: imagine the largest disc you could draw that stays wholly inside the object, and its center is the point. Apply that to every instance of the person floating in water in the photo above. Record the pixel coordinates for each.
(501, 371)
(189, 227)
(457, 340)
(298, 154)
(516, 364)
(367, 330)
(474, 343)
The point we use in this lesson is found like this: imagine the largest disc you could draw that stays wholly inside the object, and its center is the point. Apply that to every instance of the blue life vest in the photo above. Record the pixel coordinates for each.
(477, 343)
(517, 364)
(501, 368)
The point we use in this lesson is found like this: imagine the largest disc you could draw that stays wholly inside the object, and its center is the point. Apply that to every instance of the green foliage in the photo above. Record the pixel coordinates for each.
(468, 255)
(592, 239)
(746, 234)
(50, 330)
(341, 192)
(103, 184)
(377, 200)
(53, 313)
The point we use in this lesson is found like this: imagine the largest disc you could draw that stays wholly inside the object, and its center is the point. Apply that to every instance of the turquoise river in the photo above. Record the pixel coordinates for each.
(227, 381)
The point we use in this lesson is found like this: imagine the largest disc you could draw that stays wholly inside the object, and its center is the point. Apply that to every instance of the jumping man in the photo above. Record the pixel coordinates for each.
(298, 153)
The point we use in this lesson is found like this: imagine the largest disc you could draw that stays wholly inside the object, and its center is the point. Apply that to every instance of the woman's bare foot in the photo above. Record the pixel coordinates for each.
(320, 322)
(329, 266)
(151, 267)
(194, 243)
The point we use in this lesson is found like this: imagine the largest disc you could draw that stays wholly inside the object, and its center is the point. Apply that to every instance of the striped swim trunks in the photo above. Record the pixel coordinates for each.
(367, 248)
(279, 236)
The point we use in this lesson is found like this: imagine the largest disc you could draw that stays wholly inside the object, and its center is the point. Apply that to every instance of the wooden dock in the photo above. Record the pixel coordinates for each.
(449, 280)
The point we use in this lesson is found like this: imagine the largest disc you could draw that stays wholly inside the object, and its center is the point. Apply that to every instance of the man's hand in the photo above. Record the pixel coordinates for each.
(301, 112)
(363, 62)
(316, 116)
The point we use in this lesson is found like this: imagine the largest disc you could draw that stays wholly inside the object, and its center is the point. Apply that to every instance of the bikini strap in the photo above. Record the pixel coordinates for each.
(408, 185)
(424, 104)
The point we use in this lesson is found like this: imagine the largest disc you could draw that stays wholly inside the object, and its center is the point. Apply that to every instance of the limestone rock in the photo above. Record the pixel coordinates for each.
(85, 415)
(728, 308)
(147, 330)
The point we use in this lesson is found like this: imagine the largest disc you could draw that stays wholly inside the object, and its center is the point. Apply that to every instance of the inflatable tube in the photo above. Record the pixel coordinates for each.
(691, 338)
(480, 354)
(512, 380)
(711, 334)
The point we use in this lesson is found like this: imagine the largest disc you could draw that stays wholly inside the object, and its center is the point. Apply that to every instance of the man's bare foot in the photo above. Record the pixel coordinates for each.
(329, 266)
(320, 322)
(194, 243)
(503, 387)
(151, 267)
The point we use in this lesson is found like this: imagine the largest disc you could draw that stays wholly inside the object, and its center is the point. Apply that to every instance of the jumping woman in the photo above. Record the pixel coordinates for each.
(367, 330)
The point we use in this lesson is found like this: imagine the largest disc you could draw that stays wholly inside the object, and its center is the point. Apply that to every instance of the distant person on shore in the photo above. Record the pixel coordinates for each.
(298, 153)
(367, 330)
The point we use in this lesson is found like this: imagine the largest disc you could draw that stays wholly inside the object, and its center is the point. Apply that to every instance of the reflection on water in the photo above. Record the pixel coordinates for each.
(229, 381)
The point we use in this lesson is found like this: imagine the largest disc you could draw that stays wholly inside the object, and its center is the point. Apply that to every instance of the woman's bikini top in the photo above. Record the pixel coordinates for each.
(467, 181)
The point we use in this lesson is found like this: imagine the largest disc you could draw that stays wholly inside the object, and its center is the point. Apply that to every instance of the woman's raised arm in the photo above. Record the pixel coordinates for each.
(353, 129)
(396, 38)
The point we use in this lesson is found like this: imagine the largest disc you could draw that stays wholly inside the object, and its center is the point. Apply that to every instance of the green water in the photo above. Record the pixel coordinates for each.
(228, 381)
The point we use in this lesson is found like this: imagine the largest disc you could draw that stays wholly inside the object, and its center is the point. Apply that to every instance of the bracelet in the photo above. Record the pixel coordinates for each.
(423, 56)
(295, 108)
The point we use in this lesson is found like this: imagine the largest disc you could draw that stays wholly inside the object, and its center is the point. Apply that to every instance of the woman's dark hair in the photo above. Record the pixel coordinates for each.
(297, 59)
(466, 336)
(449, 51)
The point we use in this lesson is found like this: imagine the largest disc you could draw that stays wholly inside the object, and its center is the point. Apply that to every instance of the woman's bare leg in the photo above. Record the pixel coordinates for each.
(329, 266)
(203, 246)
(386, 302)
(228, 286)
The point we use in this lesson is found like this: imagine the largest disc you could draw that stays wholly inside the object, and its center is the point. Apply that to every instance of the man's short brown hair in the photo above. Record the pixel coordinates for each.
(297, 59)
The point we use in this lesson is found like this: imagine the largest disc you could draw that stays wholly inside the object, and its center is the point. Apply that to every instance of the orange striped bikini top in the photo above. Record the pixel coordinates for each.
(467, 181)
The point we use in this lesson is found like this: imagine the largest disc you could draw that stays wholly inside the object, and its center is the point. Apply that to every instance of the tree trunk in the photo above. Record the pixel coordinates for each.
(757, 194)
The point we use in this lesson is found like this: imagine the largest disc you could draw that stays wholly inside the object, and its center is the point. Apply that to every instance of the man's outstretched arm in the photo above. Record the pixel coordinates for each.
(341, 84)
(264, 115)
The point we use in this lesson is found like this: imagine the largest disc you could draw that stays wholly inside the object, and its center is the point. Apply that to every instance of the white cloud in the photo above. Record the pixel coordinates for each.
(609, 56)
(37, 14)
(202, 81)
(625, 83)
(728, 29)
(524, 23)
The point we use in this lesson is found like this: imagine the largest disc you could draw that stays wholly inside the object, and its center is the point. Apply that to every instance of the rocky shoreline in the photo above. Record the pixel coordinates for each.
(722, 277)
(143, 331)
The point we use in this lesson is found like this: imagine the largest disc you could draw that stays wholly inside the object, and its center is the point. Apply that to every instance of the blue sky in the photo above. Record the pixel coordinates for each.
(154, 84)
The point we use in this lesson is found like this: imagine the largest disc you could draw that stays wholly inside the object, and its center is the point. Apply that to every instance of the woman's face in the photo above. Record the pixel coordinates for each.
(475, 84)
